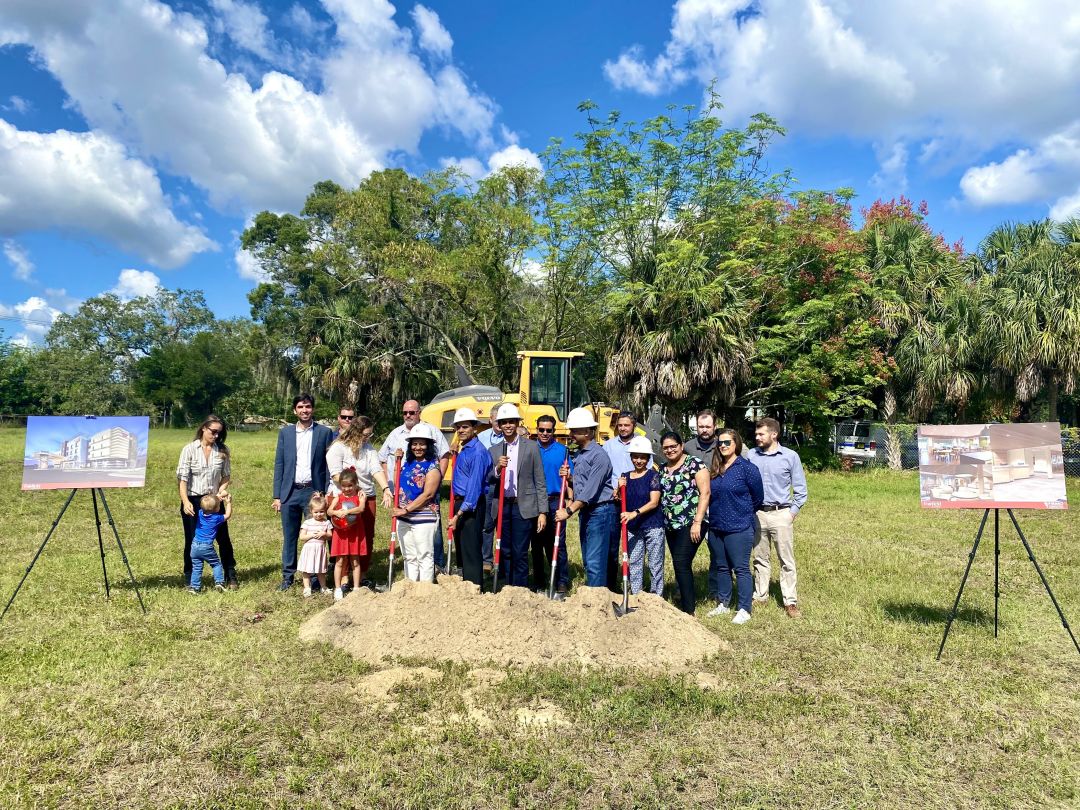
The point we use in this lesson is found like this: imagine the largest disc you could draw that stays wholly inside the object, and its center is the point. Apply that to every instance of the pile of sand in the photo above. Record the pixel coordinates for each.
(453, 620)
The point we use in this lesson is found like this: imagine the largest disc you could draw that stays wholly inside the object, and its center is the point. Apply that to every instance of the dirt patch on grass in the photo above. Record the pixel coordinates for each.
(452, 620)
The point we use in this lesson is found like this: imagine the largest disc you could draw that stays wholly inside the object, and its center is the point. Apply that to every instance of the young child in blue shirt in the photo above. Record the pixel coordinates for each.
(209, 520)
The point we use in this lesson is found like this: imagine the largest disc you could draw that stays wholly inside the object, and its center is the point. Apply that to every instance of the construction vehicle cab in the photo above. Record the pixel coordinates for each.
(549, 384)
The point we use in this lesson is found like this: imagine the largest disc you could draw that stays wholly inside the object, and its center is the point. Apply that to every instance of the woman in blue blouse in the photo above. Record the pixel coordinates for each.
(736, 493)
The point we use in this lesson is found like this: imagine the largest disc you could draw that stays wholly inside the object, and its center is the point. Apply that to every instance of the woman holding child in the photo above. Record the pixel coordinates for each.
(204, 469)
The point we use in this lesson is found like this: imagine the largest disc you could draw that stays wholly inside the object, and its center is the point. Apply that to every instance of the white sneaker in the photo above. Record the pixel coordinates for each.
(338, 595)
(719, 610)
(742, 617)
(307, 593)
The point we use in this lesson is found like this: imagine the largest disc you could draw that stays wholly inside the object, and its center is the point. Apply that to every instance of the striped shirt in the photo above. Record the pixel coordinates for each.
(203, 476)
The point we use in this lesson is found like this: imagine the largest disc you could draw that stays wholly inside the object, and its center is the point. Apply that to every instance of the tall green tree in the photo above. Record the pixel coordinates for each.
(658, 209)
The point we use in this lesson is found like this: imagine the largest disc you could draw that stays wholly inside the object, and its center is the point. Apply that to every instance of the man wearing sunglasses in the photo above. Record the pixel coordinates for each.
(785, 494)
(399, 440)
(345, 418)
(553, 455)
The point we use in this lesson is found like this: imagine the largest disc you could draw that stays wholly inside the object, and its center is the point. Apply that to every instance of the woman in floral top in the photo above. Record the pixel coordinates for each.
(684, 498)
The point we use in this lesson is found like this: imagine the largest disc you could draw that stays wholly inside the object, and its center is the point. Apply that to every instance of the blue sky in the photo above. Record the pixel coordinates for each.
(137, 137)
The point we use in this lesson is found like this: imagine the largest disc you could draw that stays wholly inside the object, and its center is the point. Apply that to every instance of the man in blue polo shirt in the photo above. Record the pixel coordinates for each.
(592, 496)
(553, 455)
(785, 493)
(470, 482)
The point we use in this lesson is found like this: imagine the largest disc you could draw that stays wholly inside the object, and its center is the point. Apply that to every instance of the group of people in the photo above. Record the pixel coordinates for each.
(511, 497)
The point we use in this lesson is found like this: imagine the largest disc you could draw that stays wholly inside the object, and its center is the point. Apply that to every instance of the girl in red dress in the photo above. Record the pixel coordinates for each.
(350, 541)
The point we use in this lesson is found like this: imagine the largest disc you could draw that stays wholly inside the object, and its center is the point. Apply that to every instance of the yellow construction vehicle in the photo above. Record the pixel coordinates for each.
(550, 385)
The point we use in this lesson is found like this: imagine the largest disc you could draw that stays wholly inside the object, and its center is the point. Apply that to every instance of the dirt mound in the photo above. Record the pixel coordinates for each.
(452, 620)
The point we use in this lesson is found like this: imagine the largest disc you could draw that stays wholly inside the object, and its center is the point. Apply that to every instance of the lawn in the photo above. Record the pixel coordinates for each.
(203, 703)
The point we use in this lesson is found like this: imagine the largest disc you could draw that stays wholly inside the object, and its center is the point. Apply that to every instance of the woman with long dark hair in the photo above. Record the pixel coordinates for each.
(684, 497)
(204, 469)
(736, 493)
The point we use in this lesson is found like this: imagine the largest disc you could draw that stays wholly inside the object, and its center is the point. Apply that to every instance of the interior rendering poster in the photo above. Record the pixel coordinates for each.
(1014, 466)
(85, 452)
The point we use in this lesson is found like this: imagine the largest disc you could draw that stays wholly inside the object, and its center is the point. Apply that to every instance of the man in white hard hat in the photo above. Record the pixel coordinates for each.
(471, 471)
(399, 440)
(516, 461)
(592, 496)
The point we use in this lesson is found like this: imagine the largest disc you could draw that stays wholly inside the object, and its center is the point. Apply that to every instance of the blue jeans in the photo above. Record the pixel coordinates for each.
(595, 527)
(517, 532)
(204, 552)
(440, 552)
(731, 550)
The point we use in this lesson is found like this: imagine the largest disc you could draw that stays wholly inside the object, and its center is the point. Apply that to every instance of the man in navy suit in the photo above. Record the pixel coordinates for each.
(299, 472)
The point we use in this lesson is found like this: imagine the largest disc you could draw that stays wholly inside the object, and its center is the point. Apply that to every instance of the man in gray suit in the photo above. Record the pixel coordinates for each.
(525, 499)
(299, 472)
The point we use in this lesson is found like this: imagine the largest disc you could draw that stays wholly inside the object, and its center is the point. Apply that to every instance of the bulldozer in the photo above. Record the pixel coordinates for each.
(550, 385)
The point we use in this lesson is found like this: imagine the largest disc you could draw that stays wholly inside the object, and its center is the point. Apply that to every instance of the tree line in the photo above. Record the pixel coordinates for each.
(690, 274)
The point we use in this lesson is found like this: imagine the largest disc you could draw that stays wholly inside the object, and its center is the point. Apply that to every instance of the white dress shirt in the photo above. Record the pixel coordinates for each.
(303, 453)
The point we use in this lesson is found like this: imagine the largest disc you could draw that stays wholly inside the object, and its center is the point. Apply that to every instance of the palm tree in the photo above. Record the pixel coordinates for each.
(1033, 322)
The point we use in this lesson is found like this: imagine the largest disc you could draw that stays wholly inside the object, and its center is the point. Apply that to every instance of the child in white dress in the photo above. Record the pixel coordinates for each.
(315, 533)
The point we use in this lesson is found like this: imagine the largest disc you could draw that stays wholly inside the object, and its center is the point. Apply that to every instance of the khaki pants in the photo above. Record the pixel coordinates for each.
(775, 528)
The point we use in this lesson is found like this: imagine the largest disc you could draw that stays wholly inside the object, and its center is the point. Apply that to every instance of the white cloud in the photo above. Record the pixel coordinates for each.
(34, 317)
(510, 155)
(18, 104)
(135, 284)
(470, 166)
(433, 37)
(247, 26)
(947, 81)
(1046, 170)
(300, 19)
(891, 177)
(21, 266)
(86, 182)
(249, 145)
(247, 266)
(514, 155)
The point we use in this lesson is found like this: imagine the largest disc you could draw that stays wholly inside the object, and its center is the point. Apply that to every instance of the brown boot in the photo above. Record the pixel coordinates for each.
(793, 611)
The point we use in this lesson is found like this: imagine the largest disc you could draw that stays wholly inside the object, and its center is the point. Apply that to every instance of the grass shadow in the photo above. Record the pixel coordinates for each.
(160, 582)
(921, 613)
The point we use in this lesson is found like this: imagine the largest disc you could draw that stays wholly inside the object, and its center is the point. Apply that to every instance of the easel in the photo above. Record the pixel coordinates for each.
(95, 493)
(997, 590)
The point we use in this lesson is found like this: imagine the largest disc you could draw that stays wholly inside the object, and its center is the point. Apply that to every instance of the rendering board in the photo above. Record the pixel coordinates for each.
(85, 452)
(997, 466)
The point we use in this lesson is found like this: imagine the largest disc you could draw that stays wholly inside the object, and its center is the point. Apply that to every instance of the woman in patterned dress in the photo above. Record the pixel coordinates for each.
(684, 499)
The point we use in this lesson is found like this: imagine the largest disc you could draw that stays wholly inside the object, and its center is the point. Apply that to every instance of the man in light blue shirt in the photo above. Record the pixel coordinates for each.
(618, 450)
(785, 493)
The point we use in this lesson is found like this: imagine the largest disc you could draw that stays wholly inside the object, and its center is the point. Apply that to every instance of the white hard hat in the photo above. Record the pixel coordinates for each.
(508, 410)
(638, 444)
(422, 430)
(465, 415)
(580, 418)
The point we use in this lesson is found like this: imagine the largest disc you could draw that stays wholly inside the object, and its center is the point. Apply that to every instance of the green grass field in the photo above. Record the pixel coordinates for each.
(197, 705)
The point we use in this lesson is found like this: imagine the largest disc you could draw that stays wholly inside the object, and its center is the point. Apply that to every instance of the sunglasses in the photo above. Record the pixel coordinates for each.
(725, 442)
(215, 432)
(545, 430)
(409, 413)
(347, 417)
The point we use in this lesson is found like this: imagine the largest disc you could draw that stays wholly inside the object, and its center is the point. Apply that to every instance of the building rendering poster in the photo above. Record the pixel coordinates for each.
(85, 452)
(1012, 466)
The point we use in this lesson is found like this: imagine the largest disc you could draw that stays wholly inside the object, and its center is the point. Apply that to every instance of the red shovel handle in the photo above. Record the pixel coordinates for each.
(499, 519)
(397, 495)
(450, 528)
(622, 539)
